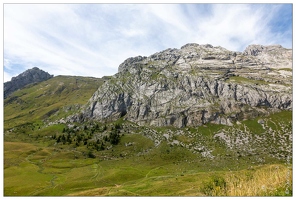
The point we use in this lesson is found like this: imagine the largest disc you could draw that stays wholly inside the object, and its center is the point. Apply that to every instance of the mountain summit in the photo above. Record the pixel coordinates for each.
(195, 85)
(33, 75)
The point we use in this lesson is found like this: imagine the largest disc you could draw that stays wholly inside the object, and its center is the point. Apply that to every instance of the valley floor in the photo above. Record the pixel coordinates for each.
(32, 170)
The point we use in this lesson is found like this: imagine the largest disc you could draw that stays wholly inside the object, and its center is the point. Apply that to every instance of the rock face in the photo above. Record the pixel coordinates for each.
(195, 85)
(33, 75)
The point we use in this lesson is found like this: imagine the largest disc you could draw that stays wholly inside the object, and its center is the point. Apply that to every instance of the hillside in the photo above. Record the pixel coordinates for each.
(195, 121)
(51, 99)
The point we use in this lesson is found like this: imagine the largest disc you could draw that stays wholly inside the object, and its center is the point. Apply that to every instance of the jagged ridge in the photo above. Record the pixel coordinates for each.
(195, 85)
(33, 75)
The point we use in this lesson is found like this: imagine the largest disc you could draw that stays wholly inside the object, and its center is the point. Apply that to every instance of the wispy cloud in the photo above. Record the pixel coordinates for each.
(93, 39)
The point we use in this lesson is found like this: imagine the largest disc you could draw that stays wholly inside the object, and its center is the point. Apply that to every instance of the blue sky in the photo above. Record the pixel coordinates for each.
(93, 39)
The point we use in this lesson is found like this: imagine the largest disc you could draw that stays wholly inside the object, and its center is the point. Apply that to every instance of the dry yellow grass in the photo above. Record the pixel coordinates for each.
(271, 180)
(93, 192)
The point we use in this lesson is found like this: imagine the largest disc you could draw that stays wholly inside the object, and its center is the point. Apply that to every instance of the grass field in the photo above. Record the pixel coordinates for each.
(34, 171)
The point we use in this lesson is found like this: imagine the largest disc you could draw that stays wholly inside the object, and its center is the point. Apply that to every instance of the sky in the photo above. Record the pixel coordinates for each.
(94, 39)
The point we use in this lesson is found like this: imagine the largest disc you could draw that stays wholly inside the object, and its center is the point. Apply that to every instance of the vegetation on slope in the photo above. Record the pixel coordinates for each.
(52, 99)
(35, 163)
(123, 159)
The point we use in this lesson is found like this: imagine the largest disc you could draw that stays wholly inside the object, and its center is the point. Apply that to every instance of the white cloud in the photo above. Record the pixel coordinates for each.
(7, 76)
(172, 15)
(92, 40)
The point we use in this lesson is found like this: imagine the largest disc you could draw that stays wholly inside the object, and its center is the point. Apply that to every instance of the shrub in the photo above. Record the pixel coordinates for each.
(90, 154)
(117, 126)
(216, 186)
(102, 146)
(114, 138)
(85, 128)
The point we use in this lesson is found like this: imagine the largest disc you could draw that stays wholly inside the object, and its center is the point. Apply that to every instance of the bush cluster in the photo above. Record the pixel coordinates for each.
(84, 136)
(216, 186)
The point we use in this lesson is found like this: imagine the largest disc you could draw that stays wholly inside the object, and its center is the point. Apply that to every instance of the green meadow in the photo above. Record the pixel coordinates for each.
(37, 170)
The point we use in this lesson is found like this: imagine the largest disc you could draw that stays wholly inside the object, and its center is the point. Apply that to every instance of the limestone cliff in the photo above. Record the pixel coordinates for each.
(195, 85)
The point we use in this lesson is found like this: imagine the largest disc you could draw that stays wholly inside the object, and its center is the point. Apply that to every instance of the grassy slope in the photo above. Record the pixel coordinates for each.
(42, 168)
(41, 101)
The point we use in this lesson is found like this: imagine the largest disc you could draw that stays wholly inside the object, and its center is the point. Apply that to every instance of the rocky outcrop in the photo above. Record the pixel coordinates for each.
(195, 85)
(30, 76)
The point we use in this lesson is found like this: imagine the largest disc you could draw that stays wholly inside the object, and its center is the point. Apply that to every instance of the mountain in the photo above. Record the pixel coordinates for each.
(34, 75)
(195, 121)
(195, 85)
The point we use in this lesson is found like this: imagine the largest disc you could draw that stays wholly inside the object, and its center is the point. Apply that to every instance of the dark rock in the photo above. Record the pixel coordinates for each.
(30, 76)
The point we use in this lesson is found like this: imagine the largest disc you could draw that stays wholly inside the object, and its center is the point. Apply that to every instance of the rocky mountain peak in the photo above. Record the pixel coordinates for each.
(256, 49)
(194, 85)
(30, 76)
